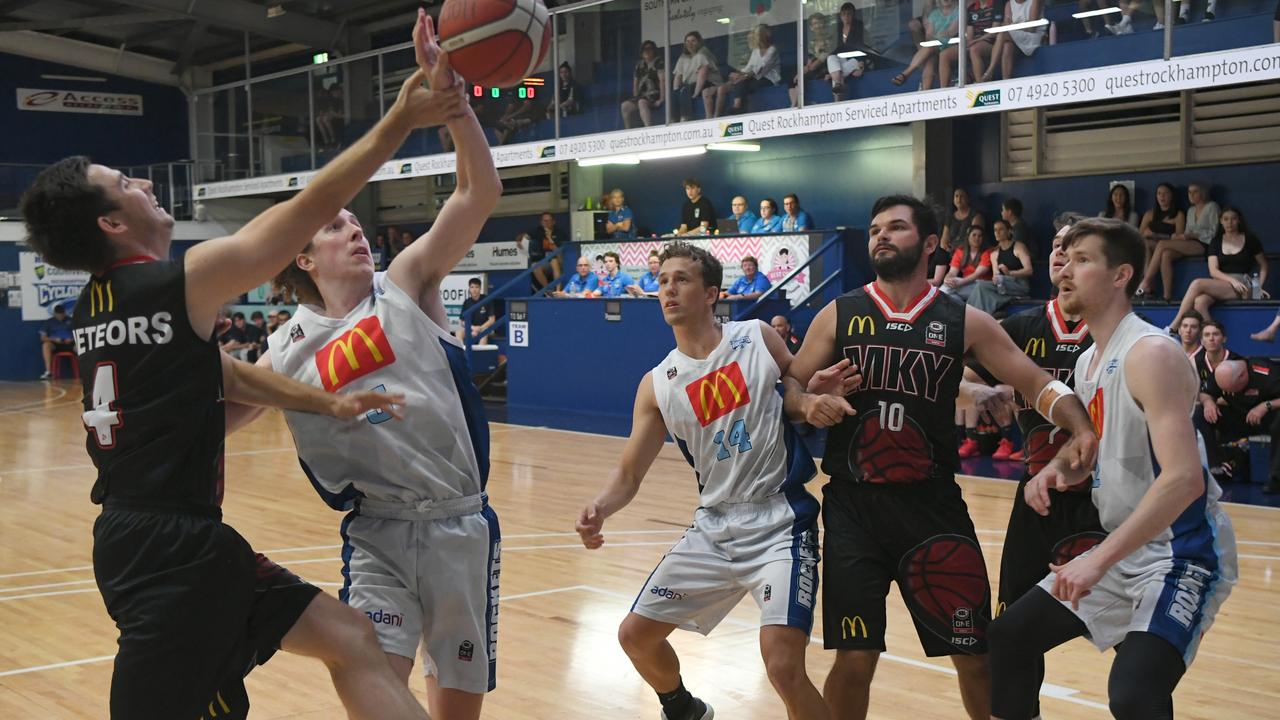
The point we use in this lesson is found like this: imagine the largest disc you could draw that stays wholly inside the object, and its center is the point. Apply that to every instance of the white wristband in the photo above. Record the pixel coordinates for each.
(1050, 394)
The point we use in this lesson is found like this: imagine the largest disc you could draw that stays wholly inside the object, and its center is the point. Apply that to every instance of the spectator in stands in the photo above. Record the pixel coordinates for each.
(394, 247)
(849, 39)
(567, 102)
(745, 218)
(406, 239)
(1011, 213)
(782, 326)
(273, 322)
(1009, 43)
(481, 320)
(795, 218)
(543, 240)
(55, 336)
(584, 283)
(615, 281)
(941, 25)
(969, 264)
(768, 222)
(1159, 226)
(283, 317)
(1208, 413)
(379, 251)
(980, 15)
(820, 47)
(1120, 205)
(1087, 23)
(697, 215)
(648, 282)
(1202, 214)
(1252, 388)
(329, 117)
(1189, 324)
(918, 24)
(621, 223)
(1010, 273)
(519, 115)
(939, 264)
(956, 229)
(648, 87)
(751, 285)
(695, 71)
(1235, 255)
(236, 341)
(488, 113)
(763, 69)
(259, 325)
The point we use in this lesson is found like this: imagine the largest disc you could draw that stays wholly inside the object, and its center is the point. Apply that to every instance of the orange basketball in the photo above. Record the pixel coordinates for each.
(495, 43)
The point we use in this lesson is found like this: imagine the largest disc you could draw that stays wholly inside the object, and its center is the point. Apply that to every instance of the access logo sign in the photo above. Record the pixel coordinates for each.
(718, 393)
(358, 352)
(986, 98)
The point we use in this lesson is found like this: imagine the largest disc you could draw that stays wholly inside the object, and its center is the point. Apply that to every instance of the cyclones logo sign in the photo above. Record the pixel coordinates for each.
(718, 393)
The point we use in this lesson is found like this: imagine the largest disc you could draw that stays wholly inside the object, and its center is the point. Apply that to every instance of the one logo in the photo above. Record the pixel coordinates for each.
(863, 322)
(547, 152)
(852, 628)
(718, 393)
(733, 129)
(466, 651)
(1096, 408)
(1035, 347)
(768, 593)
(406, 168)
(293, 181)
(986, 98)
(739, 342)
(936, 334)
(671, 373)
(962, 621)
(361, 350)
(296, 333)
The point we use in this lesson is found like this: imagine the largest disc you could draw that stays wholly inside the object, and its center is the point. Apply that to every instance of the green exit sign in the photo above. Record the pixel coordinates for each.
(320, 58)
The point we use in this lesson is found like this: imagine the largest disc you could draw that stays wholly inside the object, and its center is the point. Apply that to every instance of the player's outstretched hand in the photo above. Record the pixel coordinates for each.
(838, 380)
(356, 404)
(430, 57)
(1081, 451)
(590, 523)
(418, 107)
(988, 400)
(1076, 579)
(1036, 491)
(826, 410)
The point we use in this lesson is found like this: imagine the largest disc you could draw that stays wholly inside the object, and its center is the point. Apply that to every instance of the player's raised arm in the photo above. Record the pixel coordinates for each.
(822, 405)
(648, 433)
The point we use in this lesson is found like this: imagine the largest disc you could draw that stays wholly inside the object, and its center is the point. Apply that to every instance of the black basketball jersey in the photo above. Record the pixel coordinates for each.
(152, 389)
(1054, 343)
(1205, 368)
(911, 363)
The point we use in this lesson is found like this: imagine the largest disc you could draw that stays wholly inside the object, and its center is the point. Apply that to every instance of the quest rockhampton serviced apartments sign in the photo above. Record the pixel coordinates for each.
(1214, 69)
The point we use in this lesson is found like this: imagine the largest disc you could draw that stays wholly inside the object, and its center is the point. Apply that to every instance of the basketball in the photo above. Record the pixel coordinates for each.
(495, 43)
(1069, 548)
(1042, 444)
(944, 581)
(891, 456)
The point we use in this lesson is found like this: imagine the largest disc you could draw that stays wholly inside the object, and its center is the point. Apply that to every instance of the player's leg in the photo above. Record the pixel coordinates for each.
(1018, 640)
(974, 675)
(1146, 670)
(848, 686)
(645, 643)
(783, 649)
(46, 351)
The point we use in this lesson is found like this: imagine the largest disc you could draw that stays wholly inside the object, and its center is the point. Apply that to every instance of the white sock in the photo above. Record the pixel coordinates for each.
(1212, 7)
(1124, 21)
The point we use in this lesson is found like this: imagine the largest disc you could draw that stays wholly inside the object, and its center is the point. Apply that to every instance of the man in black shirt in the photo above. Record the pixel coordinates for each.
(782, 326)
(239, 339)
(1215, 424)
(482, 319)
(543, 240)
(697, 215)
(1251, 389)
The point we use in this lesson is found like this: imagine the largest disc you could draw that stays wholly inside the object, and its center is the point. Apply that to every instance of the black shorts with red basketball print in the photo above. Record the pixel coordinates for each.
(1034, 540)
(197, 609)
(917, 534)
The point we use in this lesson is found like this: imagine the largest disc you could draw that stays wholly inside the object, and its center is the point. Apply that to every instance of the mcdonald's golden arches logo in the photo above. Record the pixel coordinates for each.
(100, 297)
(1035, 347)
(852, 628)
(863, 322)
(718, 393)
(358, 352)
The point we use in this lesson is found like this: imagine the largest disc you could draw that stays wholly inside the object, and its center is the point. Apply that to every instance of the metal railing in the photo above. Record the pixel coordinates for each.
(833, 241)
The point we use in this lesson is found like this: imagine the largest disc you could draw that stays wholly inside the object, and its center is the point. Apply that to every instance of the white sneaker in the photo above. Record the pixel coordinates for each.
(1158, 26)
(46, 375)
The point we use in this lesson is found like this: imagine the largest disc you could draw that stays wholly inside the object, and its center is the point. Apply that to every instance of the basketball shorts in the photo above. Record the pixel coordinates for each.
(430, 580)
(919, 535)
(1175, 598)
(767, 548)
(1033, 541)
(196, 607)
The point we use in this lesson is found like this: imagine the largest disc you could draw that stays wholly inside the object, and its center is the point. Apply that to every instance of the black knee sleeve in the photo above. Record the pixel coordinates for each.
(1017, 642)
(1146, 670)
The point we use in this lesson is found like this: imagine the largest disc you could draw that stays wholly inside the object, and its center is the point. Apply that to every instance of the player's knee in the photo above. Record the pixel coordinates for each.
(786, 672)
(1003, 633)
(855, 667)
(633, 639)
(353, 635)
(1132, 701)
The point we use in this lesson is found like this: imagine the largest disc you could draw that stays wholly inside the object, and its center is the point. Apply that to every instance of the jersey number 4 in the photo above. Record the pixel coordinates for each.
(737, 436)
(103, 420)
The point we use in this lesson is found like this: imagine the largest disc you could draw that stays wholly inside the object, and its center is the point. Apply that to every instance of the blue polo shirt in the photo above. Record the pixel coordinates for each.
(648, 282)
(577, 283)
(617, 216)
(616, 286)
(771, 225)
(801, 221)
(742, 285)
(55, 329)
(746, 221)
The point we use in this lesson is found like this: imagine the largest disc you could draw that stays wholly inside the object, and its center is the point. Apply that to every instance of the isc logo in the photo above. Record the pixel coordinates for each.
(358, 352)
(903, 327)
(718, 393)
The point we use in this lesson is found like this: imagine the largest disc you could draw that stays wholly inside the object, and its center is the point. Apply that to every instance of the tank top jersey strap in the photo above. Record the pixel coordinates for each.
(912, 362)
(725, 414)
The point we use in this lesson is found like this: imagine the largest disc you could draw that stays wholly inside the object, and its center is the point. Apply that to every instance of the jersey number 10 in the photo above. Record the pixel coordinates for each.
(737, 436)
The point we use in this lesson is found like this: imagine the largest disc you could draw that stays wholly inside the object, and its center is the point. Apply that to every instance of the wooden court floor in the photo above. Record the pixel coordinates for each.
(561, 604)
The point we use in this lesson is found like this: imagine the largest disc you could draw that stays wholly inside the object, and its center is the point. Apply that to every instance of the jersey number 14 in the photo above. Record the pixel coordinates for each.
(738, 436)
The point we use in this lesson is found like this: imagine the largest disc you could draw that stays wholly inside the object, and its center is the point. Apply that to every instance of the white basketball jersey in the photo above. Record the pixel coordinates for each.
(439, 451)
(725, 414)
(1127, 465)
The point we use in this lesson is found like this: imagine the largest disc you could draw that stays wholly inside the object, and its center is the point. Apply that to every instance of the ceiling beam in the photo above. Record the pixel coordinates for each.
(294, 27)
(9, 6)
(90, 56)
(189, 45)
(89, 23)
(161, 32)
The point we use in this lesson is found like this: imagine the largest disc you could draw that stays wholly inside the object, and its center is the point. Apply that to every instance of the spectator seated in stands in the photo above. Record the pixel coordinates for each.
(1010, 273)
(768, 222)
(543, 240)
(782, 326)
(518, 116)
(820, 47)
(647, 285)
(330, 117)
(939, 264)
(615, 281)
(981, 14)
(648, 88)
(483, 318)
(1235, 257)
(1159, 226)
(1120, 205)
(751, 285)
(1189, 324)
(849, 39)
(956, 229)
(941, 25)
(763, 69)
(1087, 22)
(584, 283)
(795, 219)
(621, 223)
(969, 264)
(1251, 389)
(1011, 213)
(695, 72)
(55, 336)
(1200, 226)
(1208, 412)
(237, 340)
(745, 218)
(1010, 43)
(379, 252)
(567, 102)
(697, 215)
(259, 323)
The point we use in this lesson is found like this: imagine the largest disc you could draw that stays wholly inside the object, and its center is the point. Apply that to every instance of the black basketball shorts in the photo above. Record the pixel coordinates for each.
(197, 609)
(919, 535)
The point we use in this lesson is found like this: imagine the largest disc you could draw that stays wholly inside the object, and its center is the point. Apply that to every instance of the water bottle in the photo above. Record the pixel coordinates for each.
(1255, 287)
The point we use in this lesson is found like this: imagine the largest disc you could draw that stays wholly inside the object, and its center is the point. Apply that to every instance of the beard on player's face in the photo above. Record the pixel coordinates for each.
(896, 263)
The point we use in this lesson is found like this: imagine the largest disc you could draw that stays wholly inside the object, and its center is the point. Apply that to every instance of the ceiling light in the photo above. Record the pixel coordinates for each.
(673, 153)
(275, 11)
(723, 21)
